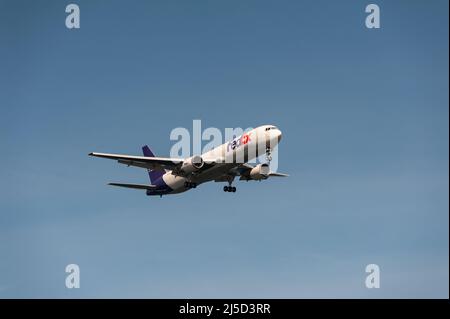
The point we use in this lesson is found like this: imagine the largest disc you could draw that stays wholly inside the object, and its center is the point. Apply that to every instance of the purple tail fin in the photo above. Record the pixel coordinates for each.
(154, 174)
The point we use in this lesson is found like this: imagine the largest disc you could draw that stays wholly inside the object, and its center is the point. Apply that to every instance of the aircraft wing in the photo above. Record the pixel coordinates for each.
(143, 161)
(135, 186)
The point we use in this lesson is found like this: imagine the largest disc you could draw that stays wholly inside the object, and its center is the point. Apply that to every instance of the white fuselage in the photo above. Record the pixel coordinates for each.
(242, 149)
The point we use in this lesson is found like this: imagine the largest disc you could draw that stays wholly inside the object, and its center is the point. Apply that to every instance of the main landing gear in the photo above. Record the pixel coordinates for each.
(190, 185)
(231, 189)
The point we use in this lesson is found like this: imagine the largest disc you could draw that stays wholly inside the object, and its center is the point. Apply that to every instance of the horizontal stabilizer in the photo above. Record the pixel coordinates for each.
(135, 186)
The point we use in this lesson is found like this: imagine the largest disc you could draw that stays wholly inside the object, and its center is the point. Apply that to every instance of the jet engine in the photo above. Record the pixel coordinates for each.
(192, 164)
(260, 172)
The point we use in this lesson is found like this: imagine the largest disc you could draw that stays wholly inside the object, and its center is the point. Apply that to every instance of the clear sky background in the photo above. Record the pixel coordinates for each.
(364, 115)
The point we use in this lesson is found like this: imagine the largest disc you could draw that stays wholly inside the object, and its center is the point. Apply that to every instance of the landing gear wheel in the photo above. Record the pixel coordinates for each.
(229, 189)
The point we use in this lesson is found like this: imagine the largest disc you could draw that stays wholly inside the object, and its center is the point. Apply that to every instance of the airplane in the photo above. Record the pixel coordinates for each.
(221, 164)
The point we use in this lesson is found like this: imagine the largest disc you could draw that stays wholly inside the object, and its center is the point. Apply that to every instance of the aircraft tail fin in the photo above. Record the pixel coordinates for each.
(152, 173)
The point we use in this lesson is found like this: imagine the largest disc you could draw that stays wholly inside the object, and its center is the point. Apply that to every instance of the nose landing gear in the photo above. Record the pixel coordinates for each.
(268, 154)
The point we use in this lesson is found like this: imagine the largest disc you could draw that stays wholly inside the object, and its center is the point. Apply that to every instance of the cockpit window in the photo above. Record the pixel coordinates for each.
(271, 128)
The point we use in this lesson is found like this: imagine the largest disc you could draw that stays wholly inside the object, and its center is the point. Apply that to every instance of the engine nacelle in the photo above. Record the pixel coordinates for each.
(192, 164)
(260, 172)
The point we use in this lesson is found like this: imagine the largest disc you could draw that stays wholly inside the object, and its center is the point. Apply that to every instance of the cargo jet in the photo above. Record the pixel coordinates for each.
(221, 164)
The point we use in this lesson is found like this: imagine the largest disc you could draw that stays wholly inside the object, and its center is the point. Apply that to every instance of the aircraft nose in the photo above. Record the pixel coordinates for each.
(280, 135)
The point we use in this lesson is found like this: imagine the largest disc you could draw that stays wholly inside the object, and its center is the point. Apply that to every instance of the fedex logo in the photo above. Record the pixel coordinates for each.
(244, 139)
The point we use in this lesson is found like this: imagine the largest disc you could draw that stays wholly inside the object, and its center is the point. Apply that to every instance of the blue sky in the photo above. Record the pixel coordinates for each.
(364, 115)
